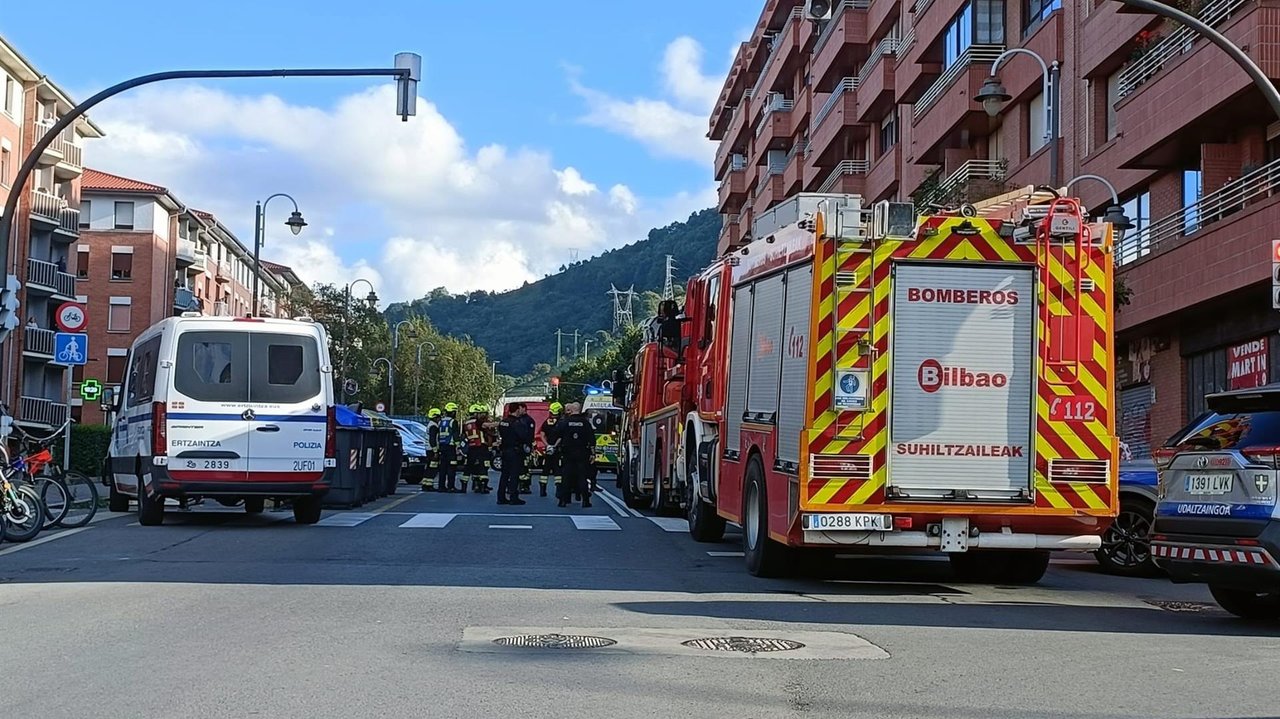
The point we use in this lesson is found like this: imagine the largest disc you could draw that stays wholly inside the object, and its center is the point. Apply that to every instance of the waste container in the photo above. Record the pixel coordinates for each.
(345, 487)
(394, 461)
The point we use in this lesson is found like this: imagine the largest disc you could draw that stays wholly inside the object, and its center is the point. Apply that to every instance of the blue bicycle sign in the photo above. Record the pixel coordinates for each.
(70, 348)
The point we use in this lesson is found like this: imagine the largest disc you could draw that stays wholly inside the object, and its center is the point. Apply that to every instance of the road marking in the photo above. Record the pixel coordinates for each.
(594, 521)
(609, 500)
(346, 519)
(429, 520)
(396, 503)
(670, 524)
(725, 554)
(510, 526)
(621, 503)
(42, 540)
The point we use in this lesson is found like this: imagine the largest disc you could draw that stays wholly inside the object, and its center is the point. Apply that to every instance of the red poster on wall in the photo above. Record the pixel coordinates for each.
(1247, 365)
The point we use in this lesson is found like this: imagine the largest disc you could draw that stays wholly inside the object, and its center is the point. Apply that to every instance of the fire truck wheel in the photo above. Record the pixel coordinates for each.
(765, 557)
(705, 525)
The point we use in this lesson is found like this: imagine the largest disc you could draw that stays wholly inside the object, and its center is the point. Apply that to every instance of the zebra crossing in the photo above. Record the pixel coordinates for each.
(442, 520)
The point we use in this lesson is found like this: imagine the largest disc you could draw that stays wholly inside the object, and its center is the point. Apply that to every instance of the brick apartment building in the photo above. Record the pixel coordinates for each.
(879, 101)
(142, 256)
(45, 227)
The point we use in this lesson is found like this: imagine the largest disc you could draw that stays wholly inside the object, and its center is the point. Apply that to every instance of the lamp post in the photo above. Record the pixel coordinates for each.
(371, 298)
(1115, 213)
(389, 372)
(295, 223)
(993, 97)
(406, 69)
(416, 385)
(395, 344)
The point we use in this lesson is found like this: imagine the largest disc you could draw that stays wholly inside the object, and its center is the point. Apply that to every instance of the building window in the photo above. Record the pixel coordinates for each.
(121, 265)
(1113, 96)
(1192, 184)
(1136, 241)
(118, 314)
(979, 22)
(889, 131)
(6, 165)
(1037, 11)
(1035, 124)
(10, 94)
(115, 368)
(124, 215)
(82, 264)
(86, 211)
(1206, 374)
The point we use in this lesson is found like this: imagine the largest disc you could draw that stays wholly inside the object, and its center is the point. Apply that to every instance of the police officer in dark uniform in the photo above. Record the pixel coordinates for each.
(577, 447)
(526, 478)
(514, 436)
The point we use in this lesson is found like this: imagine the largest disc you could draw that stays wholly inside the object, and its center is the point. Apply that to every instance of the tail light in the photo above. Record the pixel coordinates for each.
(1163, 457)
(331, 433)
(1267, 456)
(159, 430)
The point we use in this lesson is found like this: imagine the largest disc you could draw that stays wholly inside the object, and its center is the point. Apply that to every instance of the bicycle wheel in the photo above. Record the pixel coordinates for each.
(23, 513)
(82, 499)
(55, 498)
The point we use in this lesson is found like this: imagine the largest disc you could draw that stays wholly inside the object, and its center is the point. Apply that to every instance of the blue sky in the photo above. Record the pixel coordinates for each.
(574, 99)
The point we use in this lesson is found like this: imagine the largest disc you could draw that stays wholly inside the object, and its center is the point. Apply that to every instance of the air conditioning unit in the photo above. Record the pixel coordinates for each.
(818, 10)
(893, 220)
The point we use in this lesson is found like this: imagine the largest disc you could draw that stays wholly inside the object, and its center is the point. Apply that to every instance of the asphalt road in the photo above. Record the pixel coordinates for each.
(392, 611)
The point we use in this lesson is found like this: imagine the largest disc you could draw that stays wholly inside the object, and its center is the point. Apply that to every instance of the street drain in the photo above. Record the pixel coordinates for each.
(750, 645)
(554, 641)
(1175, 606)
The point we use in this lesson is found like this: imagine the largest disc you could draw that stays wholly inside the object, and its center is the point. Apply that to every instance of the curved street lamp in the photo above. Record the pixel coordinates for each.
(371, 298)
(295, 223)
(395, 345)
(994, 96)
(1114, 214)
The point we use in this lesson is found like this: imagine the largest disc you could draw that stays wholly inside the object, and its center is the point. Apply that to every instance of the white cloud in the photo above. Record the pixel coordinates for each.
(675, 127)
(407, 205)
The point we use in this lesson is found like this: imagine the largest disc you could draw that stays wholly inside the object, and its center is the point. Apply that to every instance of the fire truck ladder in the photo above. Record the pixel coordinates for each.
(1062, 256)
(860, 283)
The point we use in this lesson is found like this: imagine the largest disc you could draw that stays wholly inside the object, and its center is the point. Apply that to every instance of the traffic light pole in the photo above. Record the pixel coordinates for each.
(407, 71)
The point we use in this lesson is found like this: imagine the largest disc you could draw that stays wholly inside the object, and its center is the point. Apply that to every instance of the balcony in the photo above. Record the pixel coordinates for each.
(882, 178)
(735, 140)
(185, 253)
(833, 53)
(40, 412)
(875, 81)
(972, 181)
(68, 223)
(184, 300)
(834, 121)
(221, 309)
(848, 177)
(769, 188)
(773, 130)
(733, 188)
(47, 207)
(1175, 42)
(1203, 251)
(222, 271)
(730, 233)
(45, 278)
(793, 173)
(37, 343)
(947, 107)
(781, 52)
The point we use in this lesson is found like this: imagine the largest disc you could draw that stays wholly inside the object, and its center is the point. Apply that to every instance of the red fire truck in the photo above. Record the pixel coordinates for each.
(878, 381)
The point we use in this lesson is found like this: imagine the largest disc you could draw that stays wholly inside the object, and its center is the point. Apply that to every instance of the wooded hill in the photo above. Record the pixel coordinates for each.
(517, 327)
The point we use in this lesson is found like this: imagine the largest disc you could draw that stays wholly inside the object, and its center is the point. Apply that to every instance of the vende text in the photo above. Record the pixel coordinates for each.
(958, 450)
(962, 296)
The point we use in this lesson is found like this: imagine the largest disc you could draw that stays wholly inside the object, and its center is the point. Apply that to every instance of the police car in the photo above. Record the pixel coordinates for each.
(1216, 520)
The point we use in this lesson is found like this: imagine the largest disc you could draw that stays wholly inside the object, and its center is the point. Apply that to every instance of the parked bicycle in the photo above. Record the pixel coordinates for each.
(69, 498)
(21, 509)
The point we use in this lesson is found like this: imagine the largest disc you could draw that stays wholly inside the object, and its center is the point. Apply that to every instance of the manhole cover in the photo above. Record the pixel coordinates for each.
(1174, 606)
(750, 645)
(554, 641)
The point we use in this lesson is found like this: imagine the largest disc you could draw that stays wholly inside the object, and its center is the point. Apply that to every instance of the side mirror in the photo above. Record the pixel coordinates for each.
(110, 399)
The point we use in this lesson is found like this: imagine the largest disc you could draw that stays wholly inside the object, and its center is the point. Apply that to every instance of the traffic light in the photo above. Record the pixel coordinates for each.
(9, 318)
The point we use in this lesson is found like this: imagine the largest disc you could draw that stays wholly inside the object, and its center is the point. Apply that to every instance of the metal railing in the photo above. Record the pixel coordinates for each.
(69, 220)
(185, 250)
(58, 413)
(1232, 197)
(848, 84)
(738, 161)
(768, 110)
(906, 41)
(221, 309)
(1180, 40)
(829, 29)
(47, 274)
(47, 204)
(72, 154)
(969, 171)
(774, 46)
(887, 46)
(844, 168)
(185, 300)
(36, 410)
(974, 54)
(37, 341)
(919, 6)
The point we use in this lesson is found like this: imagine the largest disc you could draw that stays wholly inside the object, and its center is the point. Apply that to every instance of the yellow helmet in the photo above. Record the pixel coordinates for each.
(451, 407)
(476, 408)
(556, 408)
(434, 413)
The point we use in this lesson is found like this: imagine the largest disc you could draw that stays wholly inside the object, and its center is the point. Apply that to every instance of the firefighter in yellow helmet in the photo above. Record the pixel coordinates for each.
(551, 458)
(432, 468)
(477, 448)
(450, 438)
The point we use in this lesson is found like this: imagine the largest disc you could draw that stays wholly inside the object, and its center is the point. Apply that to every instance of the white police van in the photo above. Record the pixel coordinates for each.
(229, 408)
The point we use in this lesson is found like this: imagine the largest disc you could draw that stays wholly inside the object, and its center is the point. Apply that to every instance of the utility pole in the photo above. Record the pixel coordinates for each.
(575, 343)
(559, 354)
(668, 285)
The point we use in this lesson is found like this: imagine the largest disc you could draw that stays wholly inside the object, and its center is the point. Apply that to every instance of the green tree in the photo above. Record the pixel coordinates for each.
(617, 354)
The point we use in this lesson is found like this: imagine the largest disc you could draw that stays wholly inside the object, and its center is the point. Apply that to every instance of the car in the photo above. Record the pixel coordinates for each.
(1126, 545)
(236, 409)
(413, 466)
(1216, 517)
